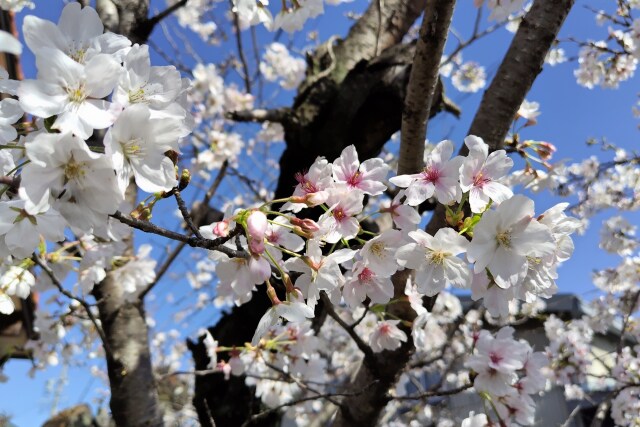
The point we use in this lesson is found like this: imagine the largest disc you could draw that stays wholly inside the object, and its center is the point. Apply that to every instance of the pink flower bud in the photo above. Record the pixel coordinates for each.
(256, 246)
(221, 228)
(257, 225)
(307, 225)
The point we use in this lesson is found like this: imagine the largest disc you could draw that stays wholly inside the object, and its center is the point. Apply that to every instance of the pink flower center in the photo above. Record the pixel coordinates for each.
(306, 185)
(365, 275)
(495, 358)
(355, 179)
(385, 329)
(479, 180)
(339, 214)
(431, 174)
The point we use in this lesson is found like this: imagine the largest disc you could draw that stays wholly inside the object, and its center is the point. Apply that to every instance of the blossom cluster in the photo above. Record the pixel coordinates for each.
(508, 371)
(494, 244)
(87, 81)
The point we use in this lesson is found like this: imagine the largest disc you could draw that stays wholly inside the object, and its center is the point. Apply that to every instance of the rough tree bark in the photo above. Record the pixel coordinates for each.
(422, 83)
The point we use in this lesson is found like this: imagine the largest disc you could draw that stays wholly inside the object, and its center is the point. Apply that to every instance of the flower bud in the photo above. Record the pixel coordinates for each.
(257, 225)
(307, 225)
(220, 228)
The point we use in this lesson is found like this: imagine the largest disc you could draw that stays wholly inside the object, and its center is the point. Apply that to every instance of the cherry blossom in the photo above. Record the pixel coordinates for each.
(387, 336)
(435, 260)
(504, 238)
(365, 283)
(480, 173)
(439, 177)
(365, 177)
(71, 91)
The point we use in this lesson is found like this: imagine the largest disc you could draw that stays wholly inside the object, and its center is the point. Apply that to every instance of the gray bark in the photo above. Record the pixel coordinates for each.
(422, 83)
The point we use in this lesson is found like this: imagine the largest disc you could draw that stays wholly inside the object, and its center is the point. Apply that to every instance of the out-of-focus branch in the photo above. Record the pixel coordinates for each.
(243, 59)
(364, 348)
(277, 115)
(165, 13)
(422, 83)
(82, 302)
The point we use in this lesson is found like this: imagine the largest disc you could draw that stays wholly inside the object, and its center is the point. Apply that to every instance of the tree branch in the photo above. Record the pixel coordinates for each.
(213, 245)
(422, 83)
(435, 393)
(277, 115)
(519, 68)
(364, 348)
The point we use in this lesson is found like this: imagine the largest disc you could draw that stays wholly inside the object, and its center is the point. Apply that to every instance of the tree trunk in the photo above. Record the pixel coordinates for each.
(134, 395)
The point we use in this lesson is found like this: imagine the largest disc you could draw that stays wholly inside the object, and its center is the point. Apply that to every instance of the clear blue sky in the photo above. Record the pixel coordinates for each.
(570, 115)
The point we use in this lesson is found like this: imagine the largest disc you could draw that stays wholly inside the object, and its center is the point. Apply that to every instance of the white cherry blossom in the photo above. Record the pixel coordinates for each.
(435, 260)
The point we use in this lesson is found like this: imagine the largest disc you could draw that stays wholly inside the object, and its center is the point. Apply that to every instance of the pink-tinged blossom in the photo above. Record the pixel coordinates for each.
(256, 229)
(504, 238)
(364, 283)
(339, 221)
(480, 173)
(534, 380)
(319, 273)
(366, 177)
(387, 336)
(379, 252)
(312, 186)
(495, 299)
(403, 216)
(439, 177)
(215, 230)
(435, 260)
(496, 360)
(277, 234)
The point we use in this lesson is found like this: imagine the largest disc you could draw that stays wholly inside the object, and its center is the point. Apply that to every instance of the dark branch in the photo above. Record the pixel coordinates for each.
(278, 115)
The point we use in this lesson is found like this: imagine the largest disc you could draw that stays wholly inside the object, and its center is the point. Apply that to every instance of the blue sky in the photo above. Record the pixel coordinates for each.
(570, 115)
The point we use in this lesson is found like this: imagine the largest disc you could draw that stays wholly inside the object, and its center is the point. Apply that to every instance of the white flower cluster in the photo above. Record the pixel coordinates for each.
(278, 64)
(508, 370)
(87, 80)
(290, 18)
(568, 350)
(16, 5)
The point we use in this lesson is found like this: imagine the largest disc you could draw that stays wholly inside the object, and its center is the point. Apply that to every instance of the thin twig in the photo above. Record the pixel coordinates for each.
(212, 245)
(83, 303)
(243, 59)
(435, 393)
(165, 13)
(185, 214)
(368, 353)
